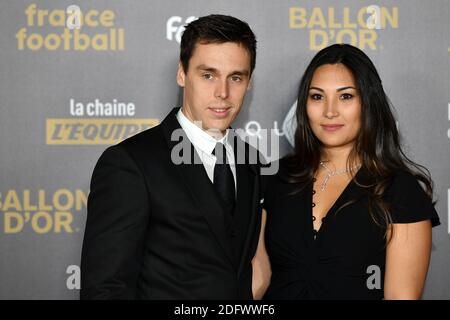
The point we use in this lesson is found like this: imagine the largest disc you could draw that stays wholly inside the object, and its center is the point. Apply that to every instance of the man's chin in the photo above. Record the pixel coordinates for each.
(216, 129)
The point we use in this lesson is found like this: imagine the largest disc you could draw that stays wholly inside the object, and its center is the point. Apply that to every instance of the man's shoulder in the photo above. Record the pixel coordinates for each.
(139, 148)
(135, 147)
(149, 139)
(154, 138)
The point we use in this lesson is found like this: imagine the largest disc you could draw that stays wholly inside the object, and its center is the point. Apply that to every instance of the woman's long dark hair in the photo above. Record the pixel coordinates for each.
(377, 146)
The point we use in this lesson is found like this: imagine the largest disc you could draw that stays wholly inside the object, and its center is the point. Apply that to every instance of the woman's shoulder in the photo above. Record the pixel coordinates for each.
(405, 182)
(409, 200)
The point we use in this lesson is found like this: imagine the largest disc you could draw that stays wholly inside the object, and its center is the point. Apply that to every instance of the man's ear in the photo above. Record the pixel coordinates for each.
(180, 75)
(250, 84)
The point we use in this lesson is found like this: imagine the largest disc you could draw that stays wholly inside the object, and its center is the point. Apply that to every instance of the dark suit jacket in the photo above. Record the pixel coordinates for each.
(157, 230)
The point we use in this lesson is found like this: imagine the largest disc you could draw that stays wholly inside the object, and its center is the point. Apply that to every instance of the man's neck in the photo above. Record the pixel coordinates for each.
(215, 133)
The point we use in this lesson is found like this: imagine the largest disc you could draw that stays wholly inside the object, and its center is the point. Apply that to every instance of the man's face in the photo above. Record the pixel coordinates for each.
(215, 84)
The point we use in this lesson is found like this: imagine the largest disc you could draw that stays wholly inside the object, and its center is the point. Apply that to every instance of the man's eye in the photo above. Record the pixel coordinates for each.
(316, 96)
(346, 96)
(207, 76)
(236, 78)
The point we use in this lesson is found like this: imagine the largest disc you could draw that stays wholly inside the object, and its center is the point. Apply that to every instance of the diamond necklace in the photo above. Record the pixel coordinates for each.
(333, 173)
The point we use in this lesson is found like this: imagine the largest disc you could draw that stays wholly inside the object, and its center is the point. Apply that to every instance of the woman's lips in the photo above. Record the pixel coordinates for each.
(331, 127)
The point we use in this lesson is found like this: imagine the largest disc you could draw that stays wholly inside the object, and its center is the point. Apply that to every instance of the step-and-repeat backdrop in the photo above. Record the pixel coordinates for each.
(77, 76)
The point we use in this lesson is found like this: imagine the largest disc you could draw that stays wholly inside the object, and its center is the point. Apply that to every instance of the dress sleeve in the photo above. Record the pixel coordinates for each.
(409, 202)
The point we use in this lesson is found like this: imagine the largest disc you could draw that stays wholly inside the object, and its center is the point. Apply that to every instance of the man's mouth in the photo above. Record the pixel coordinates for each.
(220, 112)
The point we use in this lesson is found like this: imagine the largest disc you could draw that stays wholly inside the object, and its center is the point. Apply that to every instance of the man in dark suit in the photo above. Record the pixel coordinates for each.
(174, 212)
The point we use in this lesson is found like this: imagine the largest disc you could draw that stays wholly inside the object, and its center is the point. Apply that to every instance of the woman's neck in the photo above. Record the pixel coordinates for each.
(337, 157)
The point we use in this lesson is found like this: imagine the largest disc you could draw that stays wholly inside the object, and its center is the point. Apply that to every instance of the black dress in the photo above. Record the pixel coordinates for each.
(340, 259)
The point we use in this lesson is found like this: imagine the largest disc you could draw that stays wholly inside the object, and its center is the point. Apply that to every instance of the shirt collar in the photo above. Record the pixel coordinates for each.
(199, 138)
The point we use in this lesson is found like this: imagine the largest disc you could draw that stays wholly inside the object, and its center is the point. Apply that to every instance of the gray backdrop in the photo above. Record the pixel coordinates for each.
(48, 151)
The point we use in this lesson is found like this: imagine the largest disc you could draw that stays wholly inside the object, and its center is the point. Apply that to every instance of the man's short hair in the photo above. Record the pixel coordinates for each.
(216, 28)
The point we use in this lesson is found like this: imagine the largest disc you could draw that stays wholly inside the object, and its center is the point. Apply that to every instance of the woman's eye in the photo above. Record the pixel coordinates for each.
(346, 96)
(316, 96)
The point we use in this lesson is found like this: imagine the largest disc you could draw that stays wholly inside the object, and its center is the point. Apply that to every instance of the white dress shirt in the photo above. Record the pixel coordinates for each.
(204, 145)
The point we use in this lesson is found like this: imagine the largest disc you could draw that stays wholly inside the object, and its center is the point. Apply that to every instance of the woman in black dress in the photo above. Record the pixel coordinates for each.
(345, 216)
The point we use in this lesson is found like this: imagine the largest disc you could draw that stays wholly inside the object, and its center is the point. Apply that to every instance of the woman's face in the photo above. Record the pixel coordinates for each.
(334, 106)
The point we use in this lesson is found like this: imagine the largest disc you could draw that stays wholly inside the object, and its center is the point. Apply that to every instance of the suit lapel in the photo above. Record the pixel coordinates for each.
(247, 193)
(247, 199)
(197, 183)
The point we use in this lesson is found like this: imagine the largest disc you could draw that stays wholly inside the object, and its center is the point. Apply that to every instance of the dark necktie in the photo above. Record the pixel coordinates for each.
(223, 177)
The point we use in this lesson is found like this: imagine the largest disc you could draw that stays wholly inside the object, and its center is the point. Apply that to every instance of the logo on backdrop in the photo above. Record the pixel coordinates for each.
(175, 27)
(448, 131)
(448, 191)
(70, 29)
(358, 27)
(96, 122)
(41, 211)
(290, 124)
